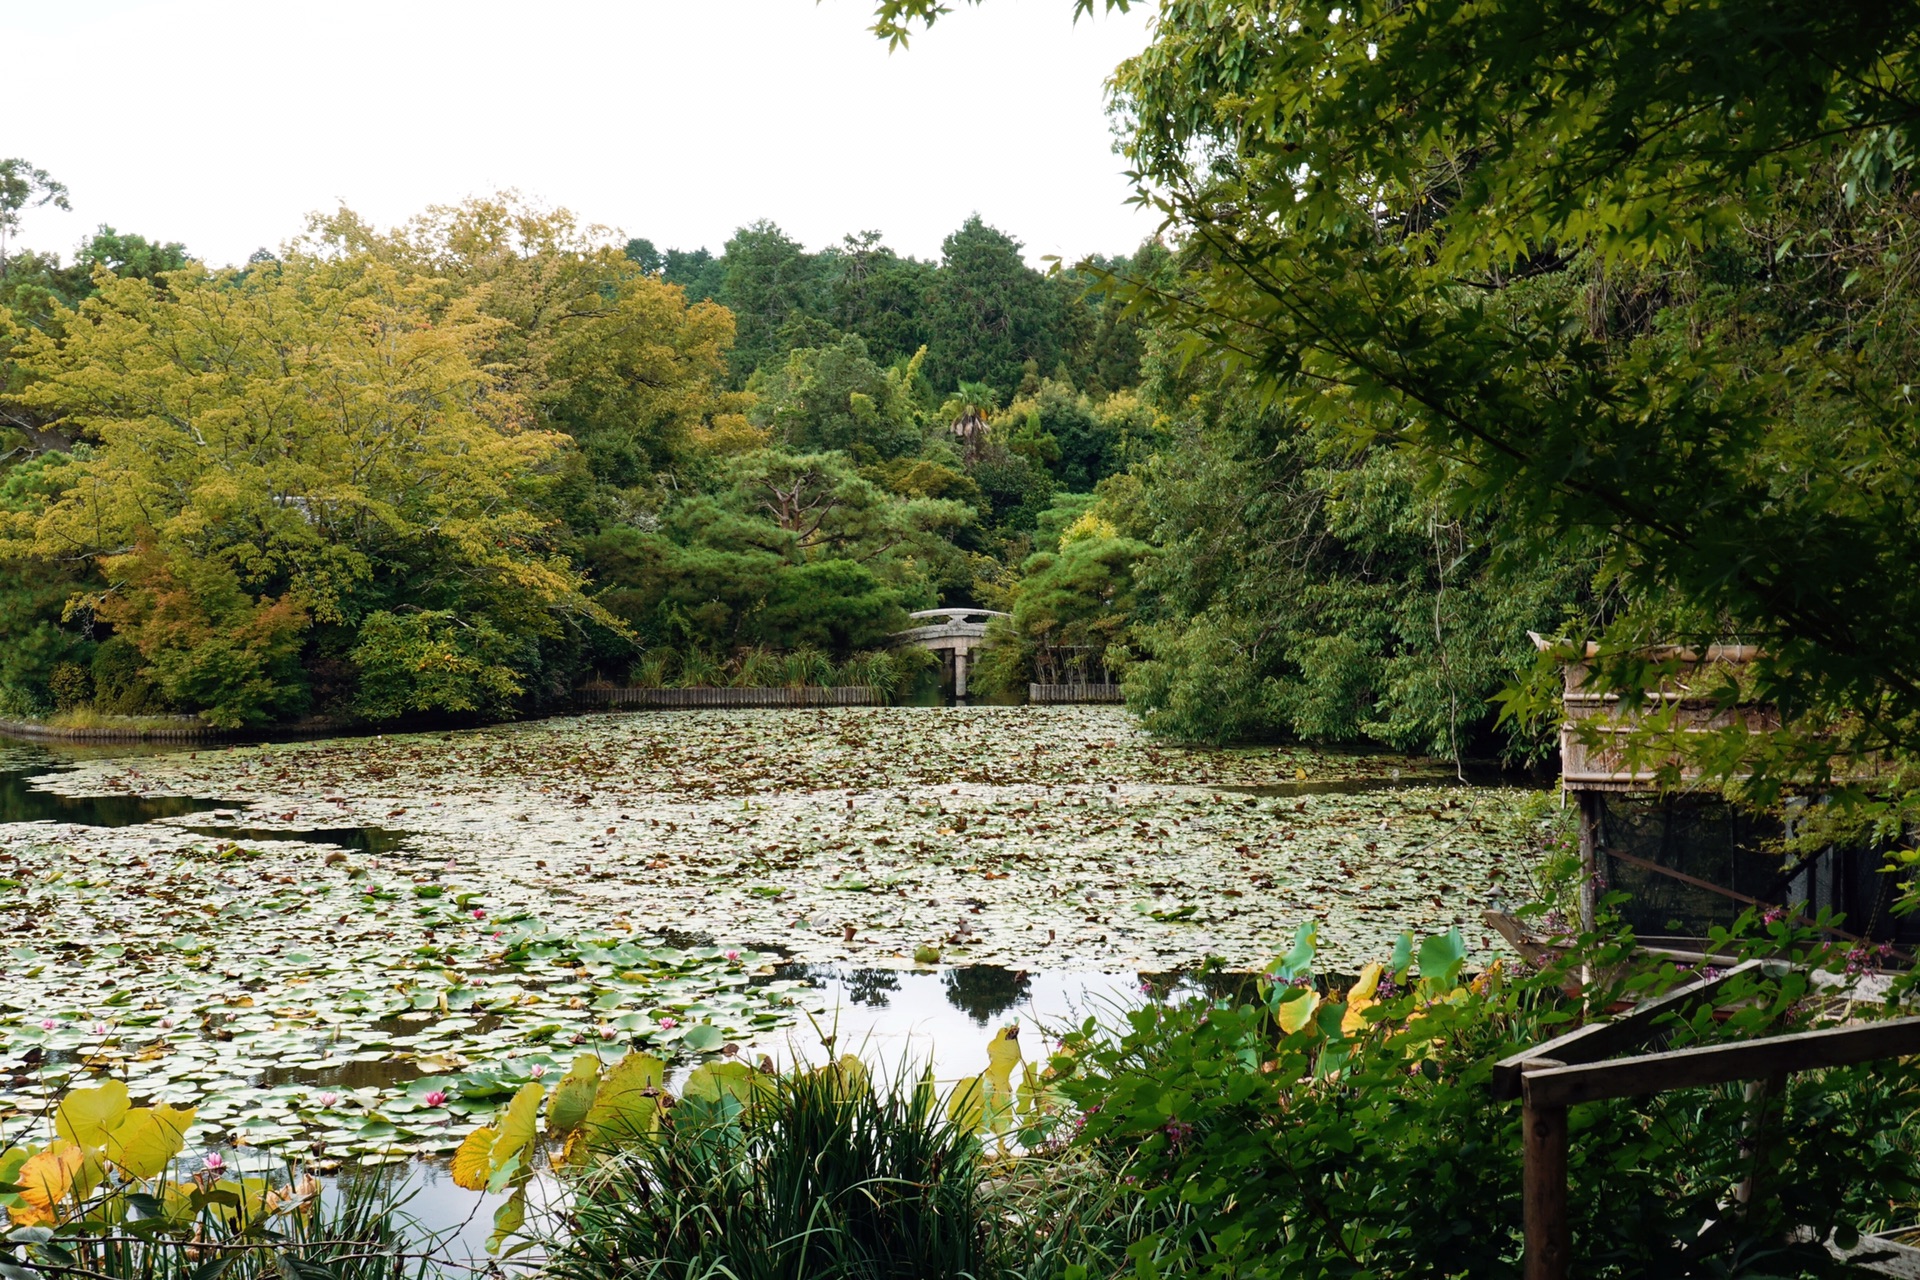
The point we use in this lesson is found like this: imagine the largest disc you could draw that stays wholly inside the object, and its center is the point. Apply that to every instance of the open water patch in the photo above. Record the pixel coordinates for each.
(21, 801)
(371, 840)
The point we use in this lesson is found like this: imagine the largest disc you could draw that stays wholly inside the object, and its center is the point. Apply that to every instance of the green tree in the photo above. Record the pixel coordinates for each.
(289, 447)
(771, 283)
(988, 312)
(23, 187)
(834, 397)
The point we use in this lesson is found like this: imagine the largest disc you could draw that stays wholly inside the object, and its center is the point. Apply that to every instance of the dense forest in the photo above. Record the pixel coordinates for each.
(460, 467)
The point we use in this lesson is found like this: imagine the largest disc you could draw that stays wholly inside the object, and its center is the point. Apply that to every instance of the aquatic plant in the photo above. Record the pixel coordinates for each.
(821, 1173)
(108, 1196)
(700, 670)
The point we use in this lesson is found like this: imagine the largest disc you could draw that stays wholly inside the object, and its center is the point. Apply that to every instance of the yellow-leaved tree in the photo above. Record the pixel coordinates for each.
(311, 445)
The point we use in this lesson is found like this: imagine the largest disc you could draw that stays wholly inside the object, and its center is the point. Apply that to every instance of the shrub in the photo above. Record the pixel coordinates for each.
(654, 670)
(808, 666)
(700, 670)
(434, 661)
(71, 685)
(120, 684)
(759, 668)
(1309, 1134)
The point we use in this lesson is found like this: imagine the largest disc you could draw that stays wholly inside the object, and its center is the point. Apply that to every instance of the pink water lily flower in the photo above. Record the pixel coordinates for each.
(328, 1099)
(99, 1028)
(215, 1162)
(668, 1024)
(733, 955)
(436, 1098)
(537, 1070)
(479, 913)
(47, 1024)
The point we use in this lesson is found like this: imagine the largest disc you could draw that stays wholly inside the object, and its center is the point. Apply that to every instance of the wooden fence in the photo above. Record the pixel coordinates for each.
(1045, 693)
(189, 730)
(853, 695)
(1575, 1068)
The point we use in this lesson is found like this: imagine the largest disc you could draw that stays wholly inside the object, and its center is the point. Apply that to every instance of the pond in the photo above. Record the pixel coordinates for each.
(309, 939)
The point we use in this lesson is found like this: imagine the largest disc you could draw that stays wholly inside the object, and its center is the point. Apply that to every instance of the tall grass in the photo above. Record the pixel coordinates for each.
(820, 1177)
(355, 1230)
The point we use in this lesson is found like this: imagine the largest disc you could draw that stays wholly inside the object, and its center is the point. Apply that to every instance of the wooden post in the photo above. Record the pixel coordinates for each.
(1549, 1235)
(1589, 806)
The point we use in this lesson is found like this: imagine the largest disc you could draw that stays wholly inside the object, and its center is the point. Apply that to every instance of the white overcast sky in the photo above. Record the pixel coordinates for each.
(222, 123)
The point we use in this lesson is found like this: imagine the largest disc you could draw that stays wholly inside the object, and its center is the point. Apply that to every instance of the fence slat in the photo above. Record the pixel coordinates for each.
(712, 696)
(1721, 1063)
(1056, 693)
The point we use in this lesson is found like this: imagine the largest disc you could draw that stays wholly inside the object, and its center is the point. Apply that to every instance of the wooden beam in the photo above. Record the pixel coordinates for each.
(1720, 1063)
(1549, 1232)
(1598, 1040)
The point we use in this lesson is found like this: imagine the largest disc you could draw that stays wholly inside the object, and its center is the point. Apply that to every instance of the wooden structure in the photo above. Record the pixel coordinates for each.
(853, 695)
(953, 634)
(169, 729)
(1688, 858)
(1057, 693)
(1577, 1067)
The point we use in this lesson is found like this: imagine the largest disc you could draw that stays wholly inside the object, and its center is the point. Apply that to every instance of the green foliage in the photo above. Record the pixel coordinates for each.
(1309, 591)
(1630, 277)
(988, 313)
(120, 683)
(432, 661)
(834, 397)
(822, 1174)
(1309, 1132)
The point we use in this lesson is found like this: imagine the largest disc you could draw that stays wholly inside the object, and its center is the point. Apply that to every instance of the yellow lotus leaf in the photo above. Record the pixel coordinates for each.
(967, 1107)
(45, 1179)
(1298, 1012)
(1360, 999)
(635, 1073)
(574, 1152)
(1003, 1055)
(1488, 977)
(10, 1161)
(87, 1116)
(147, 1141)
(573, 1096)
(627, 1104)
(474, 1159)
(517, 1126)
(713, 1081)
(508, 1218)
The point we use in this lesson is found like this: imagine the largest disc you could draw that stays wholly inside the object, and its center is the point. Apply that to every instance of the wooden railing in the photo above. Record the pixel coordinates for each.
(1044, 693)
(1550, 1077)
(853, 695)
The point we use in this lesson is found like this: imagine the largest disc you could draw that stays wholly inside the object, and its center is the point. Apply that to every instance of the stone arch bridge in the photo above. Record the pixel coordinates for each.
(953, 634)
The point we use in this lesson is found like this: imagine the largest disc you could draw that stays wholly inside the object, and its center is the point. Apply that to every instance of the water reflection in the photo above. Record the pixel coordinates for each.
(359, 839)
(21, 801)
(985, 991)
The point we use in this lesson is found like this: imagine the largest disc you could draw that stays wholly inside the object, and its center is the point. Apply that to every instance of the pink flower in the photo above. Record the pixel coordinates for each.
(166, 1024)
(536, 1070)
(328, 1099)
(47, 1024)
(606, 1033)
(668, 1024)
(436, 1098)
(479, 913)
(99, 1028)
(733, 955)
(215, 1162)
